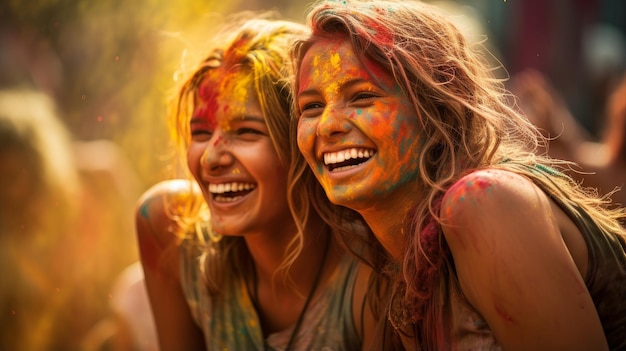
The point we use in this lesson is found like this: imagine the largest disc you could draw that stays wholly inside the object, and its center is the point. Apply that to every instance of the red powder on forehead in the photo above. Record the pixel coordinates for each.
(379, 73)
(207, 89)
(208, 105)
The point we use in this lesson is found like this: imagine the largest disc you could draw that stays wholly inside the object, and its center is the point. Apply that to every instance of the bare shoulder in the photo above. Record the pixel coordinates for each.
(158, 242)
(489, 215)
(156, 226)
(513, 265)
(155, 207)
(490, 195)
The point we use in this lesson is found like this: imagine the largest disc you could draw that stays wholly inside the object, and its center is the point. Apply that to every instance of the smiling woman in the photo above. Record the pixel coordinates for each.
(236, 258)
(232, 156)
(367, 100)
(488, 245)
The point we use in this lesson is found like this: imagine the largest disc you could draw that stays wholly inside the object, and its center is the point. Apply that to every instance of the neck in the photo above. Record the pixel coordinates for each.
(387, 222)
(269, 251)
(281, 301)
(389, 235)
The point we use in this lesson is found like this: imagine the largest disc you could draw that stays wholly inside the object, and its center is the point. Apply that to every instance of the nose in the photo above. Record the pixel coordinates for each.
(332, 123)
(217, 155)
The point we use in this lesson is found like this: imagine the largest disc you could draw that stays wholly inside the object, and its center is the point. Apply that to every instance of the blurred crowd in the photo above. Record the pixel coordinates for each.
(83, 91)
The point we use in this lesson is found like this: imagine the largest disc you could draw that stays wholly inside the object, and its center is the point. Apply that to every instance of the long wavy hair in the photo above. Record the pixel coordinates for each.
(469, 123)
(257, 44)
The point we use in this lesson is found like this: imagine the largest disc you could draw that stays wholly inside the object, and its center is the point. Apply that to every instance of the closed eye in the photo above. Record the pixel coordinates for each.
(201, 134)
(241, 131)
(311, 109)
(365, 96)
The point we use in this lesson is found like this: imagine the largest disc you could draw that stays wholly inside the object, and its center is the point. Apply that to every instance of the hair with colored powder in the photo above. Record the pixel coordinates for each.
(257, 46)
(468, 123)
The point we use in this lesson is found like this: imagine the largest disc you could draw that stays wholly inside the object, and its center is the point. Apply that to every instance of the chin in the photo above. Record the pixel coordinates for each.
(343, 199)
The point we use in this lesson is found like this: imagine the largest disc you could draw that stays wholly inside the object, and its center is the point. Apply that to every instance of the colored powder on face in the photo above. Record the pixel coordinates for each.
(223, 94)
(326, 69)
(208, 104)
(379, 74)
(233, 96)
(335, 61)
(217, 141)
(232, 99)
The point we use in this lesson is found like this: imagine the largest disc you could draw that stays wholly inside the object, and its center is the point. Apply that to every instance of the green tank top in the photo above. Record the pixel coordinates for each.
(605, 279)
(233, 324)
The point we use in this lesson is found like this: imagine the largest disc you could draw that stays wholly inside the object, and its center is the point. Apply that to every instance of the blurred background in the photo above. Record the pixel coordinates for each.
(87, 82)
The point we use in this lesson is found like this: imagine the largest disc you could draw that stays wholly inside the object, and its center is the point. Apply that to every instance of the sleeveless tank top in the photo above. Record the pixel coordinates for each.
(233, 323)
(605, 280)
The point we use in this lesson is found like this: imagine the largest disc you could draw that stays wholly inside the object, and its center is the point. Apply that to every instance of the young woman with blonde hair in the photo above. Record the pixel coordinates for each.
(227, 265)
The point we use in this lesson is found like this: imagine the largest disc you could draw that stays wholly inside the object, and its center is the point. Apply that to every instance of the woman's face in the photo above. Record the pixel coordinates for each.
(232, 157)
(356, 129)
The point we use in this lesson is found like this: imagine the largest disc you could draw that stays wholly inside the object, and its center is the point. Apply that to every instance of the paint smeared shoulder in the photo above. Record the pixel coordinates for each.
(155, 217)
(482, 193)
(165, 195)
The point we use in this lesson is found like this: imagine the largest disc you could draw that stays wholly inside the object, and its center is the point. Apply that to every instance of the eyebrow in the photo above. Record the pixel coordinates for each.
(345, 86)
(246, 118)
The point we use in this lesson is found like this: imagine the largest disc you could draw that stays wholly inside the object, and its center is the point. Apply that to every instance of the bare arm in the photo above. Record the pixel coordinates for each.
(158, 246)
(514, 266)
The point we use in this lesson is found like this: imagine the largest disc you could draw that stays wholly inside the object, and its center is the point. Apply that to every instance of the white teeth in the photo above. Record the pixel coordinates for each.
(229, 187)
(341, 156)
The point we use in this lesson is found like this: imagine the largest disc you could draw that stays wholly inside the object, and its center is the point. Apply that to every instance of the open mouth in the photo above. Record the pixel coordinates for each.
(229, 192)
(346, 159)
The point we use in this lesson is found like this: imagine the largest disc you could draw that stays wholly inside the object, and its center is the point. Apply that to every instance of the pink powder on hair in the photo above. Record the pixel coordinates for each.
(380, 33)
